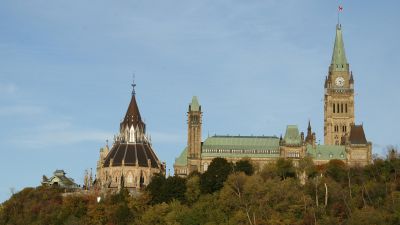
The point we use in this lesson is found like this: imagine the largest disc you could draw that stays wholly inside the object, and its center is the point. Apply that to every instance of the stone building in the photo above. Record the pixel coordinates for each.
(131, 161)
(343, 139)
(59, 180)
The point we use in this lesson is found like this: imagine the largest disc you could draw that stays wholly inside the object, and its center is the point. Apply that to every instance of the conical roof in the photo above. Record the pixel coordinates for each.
(194, 105)
(339, 60)
(132, 154)
(132, 116)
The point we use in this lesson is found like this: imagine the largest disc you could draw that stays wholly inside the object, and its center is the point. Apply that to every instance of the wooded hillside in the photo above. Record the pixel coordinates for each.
(231, 194)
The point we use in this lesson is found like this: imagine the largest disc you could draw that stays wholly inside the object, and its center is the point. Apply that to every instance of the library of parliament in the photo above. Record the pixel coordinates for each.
(131, 161)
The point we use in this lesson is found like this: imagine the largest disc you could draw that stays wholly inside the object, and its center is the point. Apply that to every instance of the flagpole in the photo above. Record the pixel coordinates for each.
(338, 12)
(340, 8)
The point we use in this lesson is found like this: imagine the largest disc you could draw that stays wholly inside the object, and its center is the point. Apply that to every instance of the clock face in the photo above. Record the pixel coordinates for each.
(339, 81)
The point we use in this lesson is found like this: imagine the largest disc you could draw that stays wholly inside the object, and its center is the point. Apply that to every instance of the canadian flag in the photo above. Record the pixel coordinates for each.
(340, 8)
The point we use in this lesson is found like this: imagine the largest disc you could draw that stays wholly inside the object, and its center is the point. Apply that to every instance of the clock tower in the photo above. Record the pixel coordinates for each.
(339, 95)
(194, 136)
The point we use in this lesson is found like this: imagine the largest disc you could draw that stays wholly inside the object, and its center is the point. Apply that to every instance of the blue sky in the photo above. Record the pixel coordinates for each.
(256, 66)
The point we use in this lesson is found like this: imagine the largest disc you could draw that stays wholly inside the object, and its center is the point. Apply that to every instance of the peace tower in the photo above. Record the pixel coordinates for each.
(339, 95)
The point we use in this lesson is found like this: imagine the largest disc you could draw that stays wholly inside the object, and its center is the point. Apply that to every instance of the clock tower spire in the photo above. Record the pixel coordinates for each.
(339, 95)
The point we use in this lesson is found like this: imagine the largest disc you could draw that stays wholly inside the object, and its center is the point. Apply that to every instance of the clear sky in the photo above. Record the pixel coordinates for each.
(256, 66)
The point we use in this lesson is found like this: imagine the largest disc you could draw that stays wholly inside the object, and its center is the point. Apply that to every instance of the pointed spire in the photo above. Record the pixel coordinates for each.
(351, 78)
(339, 60)
(132, 116)
(309, 137)
(194, 105)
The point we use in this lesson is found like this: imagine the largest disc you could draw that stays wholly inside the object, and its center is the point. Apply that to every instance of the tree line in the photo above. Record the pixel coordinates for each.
(231, 193)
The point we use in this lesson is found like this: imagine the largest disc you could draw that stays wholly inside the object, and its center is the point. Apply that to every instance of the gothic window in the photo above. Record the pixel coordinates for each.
(337, 108)
(333, 107)
(130, 178)
(346, 107)
(336, 128)
(205, 167)
(341, 108)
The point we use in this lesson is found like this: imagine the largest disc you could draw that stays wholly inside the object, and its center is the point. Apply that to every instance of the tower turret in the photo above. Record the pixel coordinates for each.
(194, 135)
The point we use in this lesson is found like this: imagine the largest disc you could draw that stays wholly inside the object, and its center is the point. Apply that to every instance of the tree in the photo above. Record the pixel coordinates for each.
(244, 166)
(337, 170)
(307, 166)
(285, 168)
(165, 190)
(155, 188)
(192, 189)
(213, 179)
(367, 215)
(174, 188)
(269, 171)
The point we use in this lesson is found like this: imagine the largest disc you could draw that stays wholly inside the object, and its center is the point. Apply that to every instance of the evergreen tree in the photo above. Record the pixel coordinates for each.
(213, 179)
(244, 166)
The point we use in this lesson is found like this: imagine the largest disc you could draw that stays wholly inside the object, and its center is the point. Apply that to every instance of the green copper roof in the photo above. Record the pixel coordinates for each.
(326, 152)
(182, 159)
(241, 147)
(339, 60)
(240, 155)
(292, 135)
(241, 142)
(195, 106)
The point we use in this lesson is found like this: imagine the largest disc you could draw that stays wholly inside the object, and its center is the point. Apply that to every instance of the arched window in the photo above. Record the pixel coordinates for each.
(130, 178)
(205, 166)
(341, 108)
(346, 107)
(333, 107)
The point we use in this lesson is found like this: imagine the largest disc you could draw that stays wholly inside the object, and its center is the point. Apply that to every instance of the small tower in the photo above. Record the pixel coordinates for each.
(310, 138)
(194, 135)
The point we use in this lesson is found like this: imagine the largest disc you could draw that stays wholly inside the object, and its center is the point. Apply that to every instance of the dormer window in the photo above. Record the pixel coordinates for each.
(132, 135)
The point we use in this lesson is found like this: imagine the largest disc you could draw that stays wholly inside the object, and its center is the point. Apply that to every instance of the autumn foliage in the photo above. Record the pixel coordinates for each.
(231, 194)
